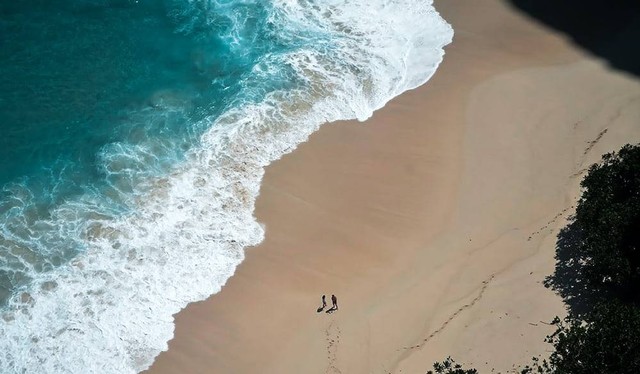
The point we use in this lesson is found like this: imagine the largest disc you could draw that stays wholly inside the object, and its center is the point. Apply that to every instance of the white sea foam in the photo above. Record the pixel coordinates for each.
(110, 310)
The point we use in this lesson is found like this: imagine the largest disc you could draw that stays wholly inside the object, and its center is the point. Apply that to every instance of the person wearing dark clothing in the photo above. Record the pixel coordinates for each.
(334, 306)
(324, 304)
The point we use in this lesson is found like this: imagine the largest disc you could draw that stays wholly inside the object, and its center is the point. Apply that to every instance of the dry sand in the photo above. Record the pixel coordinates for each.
(433, 222)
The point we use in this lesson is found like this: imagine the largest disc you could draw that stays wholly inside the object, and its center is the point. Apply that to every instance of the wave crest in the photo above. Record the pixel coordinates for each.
(184, 231)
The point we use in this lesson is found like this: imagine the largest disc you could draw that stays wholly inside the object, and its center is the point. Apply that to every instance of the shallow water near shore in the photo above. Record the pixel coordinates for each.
(135, 136)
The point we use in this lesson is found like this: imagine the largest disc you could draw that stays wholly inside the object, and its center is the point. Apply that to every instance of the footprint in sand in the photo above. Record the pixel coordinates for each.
(332, 336)
(424, 341)
(551, 222)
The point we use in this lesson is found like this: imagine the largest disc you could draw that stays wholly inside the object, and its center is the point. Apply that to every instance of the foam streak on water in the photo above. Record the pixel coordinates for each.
(184, 231)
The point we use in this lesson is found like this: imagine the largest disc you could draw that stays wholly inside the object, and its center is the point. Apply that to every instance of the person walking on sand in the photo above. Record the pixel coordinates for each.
(334, 302)
(324, 304)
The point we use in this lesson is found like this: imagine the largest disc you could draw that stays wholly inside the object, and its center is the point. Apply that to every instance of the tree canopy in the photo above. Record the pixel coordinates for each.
(598, 253)
(608, 343)
(598, 275)
(449, 366)
(608, 217)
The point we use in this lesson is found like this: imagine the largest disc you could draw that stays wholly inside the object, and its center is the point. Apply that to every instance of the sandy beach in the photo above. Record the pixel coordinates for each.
(434, 222)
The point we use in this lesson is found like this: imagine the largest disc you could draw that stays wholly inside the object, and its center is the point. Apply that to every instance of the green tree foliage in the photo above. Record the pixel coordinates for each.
(608, 343)
(598, 254)
(449, 366)
(608, 218)
(598, 276)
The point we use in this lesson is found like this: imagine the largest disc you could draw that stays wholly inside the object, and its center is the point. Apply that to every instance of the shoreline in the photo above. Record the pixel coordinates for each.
(412, 218)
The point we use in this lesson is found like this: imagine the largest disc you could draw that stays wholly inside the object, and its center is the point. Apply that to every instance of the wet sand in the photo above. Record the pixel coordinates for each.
(433, 222)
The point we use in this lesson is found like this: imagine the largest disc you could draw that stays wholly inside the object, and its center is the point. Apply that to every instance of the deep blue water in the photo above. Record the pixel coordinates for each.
(85, 82)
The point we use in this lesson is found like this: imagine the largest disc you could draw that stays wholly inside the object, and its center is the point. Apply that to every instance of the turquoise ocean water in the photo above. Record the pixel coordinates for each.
(133, 140)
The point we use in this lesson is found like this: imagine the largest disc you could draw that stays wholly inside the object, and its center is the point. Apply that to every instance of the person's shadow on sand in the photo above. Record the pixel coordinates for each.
(334, 302)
